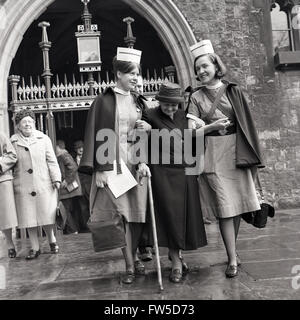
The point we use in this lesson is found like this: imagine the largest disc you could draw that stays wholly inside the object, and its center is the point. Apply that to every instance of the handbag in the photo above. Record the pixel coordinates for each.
(259, 217)
(108, 233)
(108, 228)
(61, 216)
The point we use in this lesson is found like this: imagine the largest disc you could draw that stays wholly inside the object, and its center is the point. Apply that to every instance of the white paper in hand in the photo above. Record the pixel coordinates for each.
(120, 183)
(200, 123)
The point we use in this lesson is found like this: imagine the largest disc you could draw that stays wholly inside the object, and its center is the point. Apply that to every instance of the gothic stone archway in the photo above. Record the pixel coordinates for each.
(164, 16)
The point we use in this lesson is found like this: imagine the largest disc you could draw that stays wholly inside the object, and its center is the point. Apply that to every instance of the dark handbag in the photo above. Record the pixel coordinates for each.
(259, 218)
(108, 233)
(61, 216)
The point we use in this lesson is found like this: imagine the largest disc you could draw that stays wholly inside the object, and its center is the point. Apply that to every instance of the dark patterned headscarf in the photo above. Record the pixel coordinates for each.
(24, 113)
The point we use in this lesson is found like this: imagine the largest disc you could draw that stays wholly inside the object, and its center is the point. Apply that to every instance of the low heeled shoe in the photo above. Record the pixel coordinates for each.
(12, 253)
(146, 256)
(175, 276)
(33, 254)
(54, 248)
(129, 277)
(185, 267)
(139, 268)
(231, 271)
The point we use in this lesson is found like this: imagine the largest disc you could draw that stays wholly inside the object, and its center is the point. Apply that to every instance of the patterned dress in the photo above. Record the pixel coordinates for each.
(225, 191)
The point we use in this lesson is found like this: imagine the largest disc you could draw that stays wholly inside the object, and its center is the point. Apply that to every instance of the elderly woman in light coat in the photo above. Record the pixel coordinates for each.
(8, 215)
(37, 179)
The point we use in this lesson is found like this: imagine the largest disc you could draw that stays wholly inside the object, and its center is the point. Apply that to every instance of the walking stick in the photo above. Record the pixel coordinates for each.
(159, 277)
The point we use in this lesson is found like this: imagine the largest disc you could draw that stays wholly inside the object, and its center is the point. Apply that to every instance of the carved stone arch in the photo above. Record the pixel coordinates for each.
(174, 32)
(164, 16)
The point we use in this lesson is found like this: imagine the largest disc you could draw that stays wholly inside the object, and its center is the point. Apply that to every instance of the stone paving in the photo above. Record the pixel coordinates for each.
(269, 257)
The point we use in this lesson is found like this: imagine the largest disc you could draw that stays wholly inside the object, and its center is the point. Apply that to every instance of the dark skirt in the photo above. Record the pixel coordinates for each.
(177, 209)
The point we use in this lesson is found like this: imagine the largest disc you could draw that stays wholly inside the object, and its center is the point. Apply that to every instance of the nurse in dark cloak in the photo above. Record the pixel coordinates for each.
(121, 111)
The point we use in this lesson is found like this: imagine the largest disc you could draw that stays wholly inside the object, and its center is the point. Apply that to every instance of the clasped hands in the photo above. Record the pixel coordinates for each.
(221, 124)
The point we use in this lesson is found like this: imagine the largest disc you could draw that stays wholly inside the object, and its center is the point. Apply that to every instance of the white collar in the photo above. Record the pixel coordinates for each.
(215, 86)
(120, 91)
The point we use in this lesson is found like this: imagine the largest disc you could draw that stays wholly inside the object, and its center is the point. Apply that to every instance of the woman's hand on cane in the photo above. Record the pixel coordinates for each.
(101, 179)
(143, 171)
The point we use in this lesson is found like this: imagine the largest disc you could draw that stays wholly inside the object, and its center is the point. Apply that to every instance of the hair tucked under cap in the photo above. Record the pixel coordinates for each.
(23, 114)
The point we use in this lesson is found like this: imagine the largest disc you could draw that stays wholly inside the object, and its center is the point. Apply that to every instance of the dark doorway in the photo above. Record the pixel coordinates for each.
(70, 127)
(64, 16)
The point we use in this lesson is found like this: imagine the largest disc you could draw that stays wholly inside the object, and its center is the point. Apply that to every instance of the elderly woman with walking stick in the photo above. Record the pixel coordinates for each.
(176, 197)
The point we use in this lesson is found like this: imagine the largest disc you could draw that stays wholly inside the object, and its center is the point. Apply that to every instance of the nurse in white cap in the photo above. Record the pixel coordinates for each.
(121, 111)
(232, 155)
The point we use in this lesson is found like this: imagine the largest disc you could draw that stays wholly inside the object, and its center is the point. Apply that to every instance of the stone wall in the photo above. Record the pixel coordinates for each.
(237, 29)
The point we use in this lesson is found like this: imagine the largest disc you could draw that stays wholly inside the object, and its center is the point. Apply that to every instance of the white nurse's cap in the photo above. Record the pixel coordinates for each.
(201, 48)
(128, 54)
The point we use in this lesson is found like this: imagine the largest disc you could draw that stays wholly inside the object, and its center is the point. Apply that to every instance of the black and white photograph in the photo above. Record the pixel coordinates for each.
(150, 153)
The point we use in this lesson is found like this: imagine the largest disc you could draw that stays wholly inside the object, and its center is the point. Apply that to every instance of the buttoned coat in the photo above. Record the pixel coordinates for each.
(8, 158)
(35, 172)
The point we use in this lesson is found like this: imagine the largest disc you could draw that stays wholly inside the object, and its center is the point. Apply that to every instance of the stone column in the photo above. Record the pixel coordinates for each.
(45, 45)
(170, 71)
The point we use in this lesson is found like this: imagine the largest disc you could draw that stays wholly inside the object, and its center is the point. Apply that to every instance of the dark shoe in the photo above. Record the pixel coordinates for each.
(146, 256)
(175, 276)
(33, 254)
(54, 248)
(238, 260)
(12, 253)
(128, 278)
(231, 271)
(139, 268)
(185, 267)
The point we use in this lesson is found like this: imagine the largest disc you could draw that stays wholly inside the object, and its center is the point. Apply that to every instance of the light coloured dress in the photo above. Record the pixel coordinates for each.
(225, 191)
(131, 205)
(8, 158)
